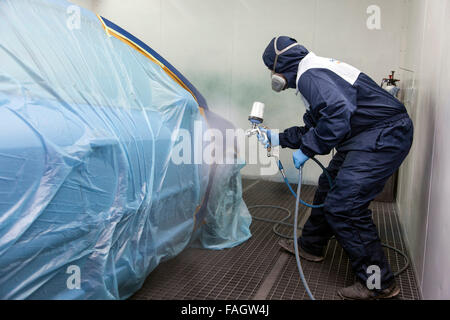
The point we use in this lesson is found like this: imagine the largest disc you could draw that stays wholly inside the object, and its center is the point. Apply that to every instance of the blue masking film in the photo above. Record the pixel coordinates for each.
(88, 126)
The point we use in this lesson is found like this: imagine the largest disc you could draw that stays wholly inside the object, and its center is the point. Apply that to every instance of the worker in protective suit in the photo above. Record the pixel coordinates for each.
(372, 134)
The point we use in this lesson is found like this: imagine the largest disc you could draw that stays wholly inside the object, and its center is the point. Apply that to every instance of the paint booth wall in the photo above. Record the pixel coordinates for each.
(218, 46)
(424, 182)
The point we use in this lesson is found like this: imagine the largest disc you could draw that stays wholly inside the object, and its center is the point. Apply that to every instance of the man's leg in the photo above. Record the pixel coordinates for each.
(316, 232)
(361, 178)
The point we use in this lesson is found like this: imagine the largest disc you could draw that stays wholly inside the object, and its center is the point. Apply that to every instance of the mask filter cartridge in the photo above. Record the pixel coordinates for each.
(278, 83)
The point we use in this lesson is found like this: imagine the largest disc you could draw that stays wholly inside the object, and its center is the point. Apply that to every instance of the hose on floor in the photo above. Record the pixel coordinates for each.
(296, 227)
(297, 256)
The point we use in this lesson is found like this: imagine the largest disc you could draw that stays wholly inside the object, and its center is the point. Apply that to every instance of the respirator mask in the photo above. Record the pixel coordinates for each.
(279, 83)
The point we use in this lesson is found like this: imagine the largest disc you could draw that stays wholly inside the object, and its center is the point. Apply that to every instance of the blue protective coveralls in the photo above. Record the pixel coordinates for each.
(372, 134)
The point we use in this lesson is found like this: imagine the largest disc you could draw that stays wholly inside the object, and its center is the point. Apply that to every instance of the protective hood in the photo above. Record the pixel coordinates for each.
(287, 63)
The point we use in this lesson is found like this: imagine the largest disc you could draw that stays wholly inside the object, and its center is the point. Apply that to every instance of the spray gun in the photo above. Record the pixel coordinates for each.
(256, 119)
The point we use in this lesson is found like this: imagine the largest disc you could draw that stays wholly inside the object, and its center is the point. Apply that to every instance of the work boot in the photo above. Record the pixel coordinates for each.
(288, 245)
(359, 291)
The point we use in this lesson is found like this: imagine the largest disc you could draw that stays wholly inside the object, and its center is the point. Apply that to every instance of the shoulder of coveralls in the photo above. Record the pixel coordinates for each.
(321, 85)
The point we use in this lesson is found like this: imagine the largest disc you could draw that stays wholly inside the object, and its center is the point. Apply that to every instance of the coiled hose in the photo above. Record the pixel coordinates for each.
(295, 225)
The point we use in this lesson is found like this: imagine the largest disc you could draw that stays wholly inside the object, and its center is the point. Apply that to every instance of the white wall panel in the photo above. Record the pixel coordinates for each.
(424, 179)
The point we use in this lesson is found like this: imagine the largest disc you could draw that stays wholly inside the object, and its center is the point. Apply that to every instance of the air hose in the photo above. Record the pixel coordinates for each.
(297, 256)
(295, 225)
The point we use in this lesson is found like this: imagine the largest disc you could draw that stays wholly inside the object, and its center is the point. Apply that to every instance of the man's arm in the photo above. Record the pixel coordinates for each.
(333, 102)
(291, 138)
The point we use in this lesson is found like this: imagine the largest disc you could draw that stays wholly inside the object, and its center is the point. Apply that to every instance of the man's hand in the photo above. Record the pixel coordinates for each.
(273, 139)
(299, 158)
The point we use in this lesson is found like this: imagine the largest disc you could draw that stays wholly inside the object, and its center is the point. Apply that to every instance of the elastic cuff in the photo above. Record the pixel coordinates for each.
(284, 142)
(281, 139)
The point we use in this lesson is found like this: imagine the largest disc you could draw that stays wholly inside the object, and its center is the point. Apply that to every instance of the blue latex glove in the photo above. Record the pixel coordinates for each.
(274, 138)
(299, 158)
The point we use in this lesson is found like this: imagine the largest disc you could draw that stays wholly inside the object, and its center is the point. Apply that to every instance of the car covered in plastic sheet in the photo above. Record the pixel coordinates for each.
(91, 200)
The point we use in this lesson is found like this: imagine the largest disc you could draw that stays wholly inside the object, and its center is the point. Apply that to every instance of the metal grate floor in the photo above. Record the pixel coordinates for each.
(259, 269)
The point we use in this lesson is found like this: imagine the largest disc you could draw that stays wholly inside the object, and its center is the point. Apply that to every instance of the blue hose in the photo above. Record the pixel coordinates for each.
(297, 202)
(325, 171)
(297, 257)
